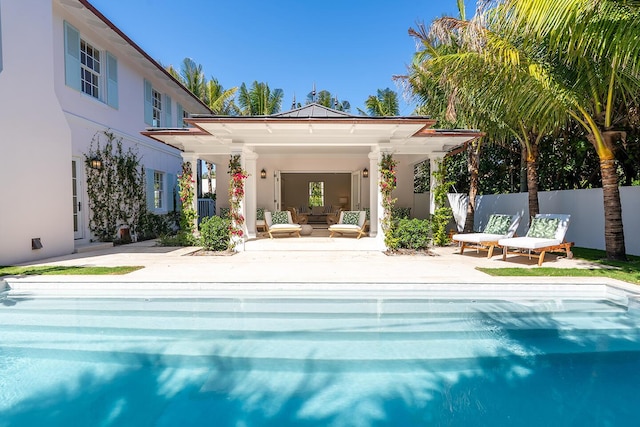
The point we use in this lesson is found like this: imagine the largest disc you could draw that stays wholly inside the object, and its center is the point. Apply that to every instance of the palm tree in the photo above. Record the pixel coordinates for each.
(326, 99)
(219, 100)
(584, 54)
(259, 100)
(384, 104)
(191, 76)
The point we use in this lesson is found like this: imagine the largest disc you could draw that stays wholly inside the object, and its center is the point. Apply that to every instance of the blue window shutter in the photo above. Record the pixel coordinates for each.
(71, 56)
(180, 114)
(112, 81)
(172, 191)
(150, 190)
(148, 103)
(167, 111)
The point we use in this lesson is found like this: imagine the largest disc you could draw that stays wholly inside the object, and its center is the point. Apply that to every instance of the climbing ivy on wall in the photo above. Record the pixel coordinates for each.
(116, 189)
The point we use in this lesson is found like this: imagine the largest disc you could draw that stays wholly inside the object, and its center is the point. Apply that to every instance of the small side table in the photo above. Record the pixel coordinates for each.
(306, 230)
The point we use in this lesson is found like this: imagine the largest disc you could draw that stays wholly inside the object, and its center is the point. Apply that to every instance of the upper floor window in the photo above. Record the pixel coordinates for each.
(89, 70)
(90, 78)
(157, 107)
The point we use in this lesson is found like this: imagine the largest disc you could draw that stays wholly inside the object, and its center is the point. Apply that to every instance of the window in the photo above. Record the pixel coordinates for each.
(157, 107)
(421, 177)
(182, 114)
(158, 190)
(89, 70)
(316, 193)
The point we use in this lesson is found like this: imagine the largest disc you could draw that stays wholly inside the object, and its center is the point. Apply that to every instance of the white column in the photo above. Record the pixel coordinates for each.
(434, 160)
(192, 159)
(250, 205)
(375, 200)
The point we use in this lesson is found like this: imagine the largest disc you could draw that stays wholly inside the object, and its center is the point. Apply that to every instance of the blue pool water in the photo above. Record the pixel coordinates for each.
(318, 362)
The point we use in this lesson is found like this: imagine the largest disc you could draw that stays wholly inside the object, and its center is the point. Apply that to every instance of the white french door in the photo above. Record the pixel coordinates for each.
(78, 205)
(356, 203)
(277, 191)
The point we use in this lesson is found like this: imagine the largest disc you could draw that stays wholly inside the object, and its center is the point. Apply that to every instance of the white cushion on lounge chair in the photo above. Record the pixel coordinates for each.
(528, 242)
(342, 228)
(486, 241)
(290, 227)
(540, 244)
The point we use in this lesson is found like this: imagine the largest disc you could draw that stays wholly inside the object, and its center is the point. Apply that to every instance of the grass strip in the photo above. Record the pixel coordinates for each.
(53, 270)
(626, 271)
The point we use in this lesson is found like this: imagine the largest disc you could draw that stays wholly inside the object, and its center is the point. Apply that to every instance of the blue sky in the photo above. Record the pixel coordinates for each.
(351, 48)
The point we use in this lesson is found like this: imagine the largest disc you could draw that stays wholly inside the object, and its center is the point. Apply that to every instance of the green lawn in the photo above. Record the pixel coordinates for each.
(625, 271)
(51, 270)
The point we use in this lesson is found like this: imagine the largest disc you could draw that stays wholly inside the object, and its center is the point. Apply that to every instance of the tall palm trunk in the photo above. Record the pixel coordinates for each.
(532, 175)
(473, 166)
(613, 228)
(209, 181)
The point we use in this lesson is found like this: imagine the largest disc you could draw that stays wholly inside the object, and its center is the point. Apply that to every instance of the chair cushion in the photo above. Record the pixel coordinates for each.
(280, 217)
(498, 224)
(351, 217)
(477, 237)
(528, 242)
(543, 228)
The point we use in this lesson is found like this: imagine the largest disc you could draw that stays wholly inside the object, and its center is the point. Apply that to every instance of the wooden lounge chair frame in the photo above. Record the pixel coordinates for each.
(486, 241)
(536, 247)
(290, 228)
(342, 229)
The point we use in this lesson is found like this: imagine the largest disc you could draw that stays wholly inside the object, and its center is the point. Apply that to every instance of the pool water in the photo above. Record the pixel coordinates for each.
(318, 362)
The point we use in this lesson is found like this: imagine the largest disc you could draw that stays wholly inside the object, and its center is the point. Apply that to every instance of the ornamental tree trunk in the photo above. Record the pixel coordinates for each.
(473, 166)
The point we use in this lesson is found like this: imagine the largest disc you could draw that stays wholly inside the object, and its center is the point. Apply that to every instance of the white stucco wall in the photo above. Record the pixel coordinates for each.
(46, 124)
(35, 139)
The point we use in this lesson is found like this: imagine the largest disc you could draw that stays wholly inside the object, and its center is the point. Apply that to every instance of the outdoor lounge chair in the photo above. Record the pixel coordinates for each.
(546, 234)
(280, 222)
(350, 222)
(499, 226)
(261, 224)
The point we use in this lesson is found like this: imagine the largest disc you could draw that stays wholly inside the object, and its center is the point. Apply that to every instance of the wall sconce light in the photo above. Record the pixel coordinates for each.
(95, 163)
(263, 174)
(365, 173)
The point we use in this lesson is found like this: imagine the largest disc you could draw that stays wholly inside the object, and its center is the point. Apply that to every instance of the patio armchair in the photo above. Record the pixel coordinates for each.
(350, 222)
(499, 226)
(281, 222)
(297, 216)
(546, 234)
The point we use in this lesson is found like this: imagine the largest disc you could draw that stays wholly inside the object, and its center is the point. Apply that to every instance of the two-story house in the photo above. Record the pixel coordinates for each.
(68, 73)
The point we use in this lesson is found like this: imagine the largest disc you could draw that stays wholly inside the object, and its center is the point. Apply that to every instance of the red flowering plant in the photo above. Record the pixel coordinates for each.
(236, 195)
(188, 214)
(387, 184)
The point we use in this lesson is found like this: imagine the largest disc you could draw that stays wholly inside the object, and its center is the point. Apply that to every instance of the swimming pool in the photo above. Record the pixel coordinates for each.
(321, 359)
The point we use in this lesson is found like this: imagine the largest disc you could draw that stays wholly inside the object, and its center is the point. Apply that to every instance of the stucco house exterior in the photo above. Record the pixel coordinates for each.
(67, 73)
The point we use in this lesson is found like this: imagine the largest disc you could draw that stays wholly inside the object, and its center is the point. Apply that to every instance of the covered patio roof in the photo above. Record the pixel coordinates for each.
(312, 129)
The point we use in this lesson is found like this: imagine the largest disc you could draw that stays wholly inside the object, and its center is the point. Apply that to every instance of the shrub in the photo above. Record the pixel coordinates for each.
(153, 225)
(412, 234)
(215, 233)
(179, 239)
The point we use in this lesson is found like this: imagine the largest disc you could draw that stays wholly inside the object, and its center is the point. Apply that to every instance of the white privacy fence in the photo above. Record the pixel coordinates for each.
(586, 208)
